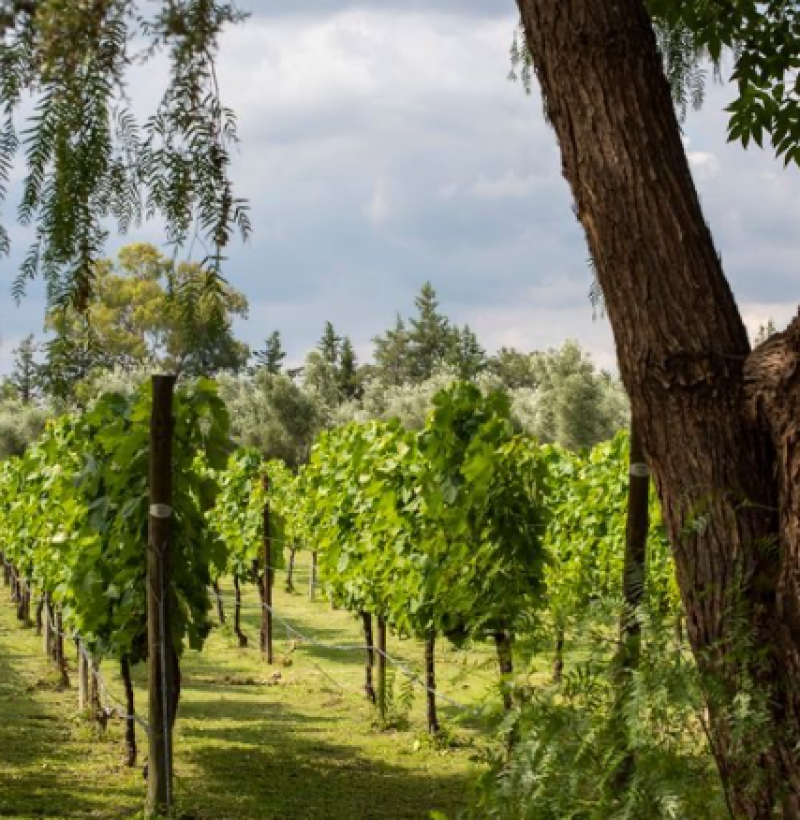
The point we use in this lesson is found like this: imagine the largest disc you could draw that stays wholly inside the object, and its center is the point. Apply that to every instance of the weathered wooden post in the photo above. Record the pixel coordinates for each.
(159, 638)
(266, 592)
(381, 652)
(430, 683)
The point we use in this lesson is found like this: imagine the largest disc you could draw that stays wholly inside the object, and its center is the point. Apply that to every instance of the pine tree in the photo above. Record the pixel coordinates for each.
(468, 355)
(272, 356)
(432, 339)
(349, 382)
(26, 376)
(764, 332)
(393, 355)
(330, 345)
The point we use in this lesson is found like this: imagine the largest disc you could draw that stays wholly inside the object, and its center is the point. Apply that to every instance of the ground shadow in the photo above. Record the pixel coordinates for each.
(273, 766)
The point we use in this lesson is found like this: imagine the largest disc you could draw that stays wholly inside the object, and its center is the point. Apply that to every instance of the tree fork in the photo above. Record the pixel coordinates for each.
(682, 348)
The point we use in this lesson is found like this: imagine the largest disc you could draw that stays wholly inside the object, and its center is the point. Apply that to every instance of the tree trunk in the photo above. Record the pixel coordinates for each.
(130, 712)
(47, 632)
(237, 612)
(505, 659)
(290, 569)
(682, 349)
(220, 605)
(558, 655)
(430, 684)
(83, 678)
(24, 603)
(58, 649)
(39, 616)
(381, 653)
(369, 661)
(312, 578)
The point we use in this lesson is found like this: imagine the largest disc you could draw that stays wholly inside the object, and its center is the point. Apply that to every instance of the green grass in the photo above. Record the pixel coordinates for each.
(297, 740)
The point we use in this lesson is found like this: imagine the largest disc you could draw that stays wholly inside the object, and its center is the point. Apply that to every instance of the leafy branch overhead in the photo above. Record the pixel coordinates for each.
(88, 161)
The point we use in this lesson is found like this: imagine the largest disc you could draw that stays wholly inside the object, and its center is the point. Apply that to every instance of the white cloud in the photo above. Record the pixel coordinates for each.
(704, 164)
(511, 185)
(378, 209)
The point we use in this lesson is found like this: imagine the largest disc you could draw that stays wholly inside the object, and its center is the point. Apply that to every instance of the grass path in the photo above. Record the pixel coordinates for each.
(292, 741)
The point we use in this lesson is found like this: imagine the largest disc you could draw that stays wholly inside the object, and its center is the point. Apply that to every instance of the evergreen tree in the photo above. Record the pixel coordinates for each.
(393, 355)
(432, 339)
(349, 382)
(25, 378)
(764, 332)
(272, 356)
(468, 355)
(330, 345)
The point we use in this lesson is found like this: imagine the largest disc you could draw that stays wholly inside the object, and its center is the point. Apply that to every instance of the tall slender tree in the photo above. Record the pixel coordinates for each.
(348, 371)
(330, 345)
(26, 376)
(432, 339)
(393, 354)
(272, 356)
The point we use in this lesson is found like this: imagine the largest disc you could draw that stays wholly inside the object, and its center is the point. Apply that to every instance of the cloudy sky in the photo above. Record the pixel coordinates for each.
(383, 146)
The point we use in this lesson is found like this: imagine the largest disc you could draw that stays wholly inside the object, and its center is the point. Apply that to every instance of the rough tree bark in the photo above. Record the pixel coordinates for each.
(683, 350)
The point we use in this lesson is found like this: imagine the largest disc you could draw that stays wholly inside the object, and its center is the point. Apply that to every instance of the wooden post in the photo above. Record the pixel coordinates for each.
(159, 638)
(266, 579)
(130, 712)
(381, 653)
(430, 683)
